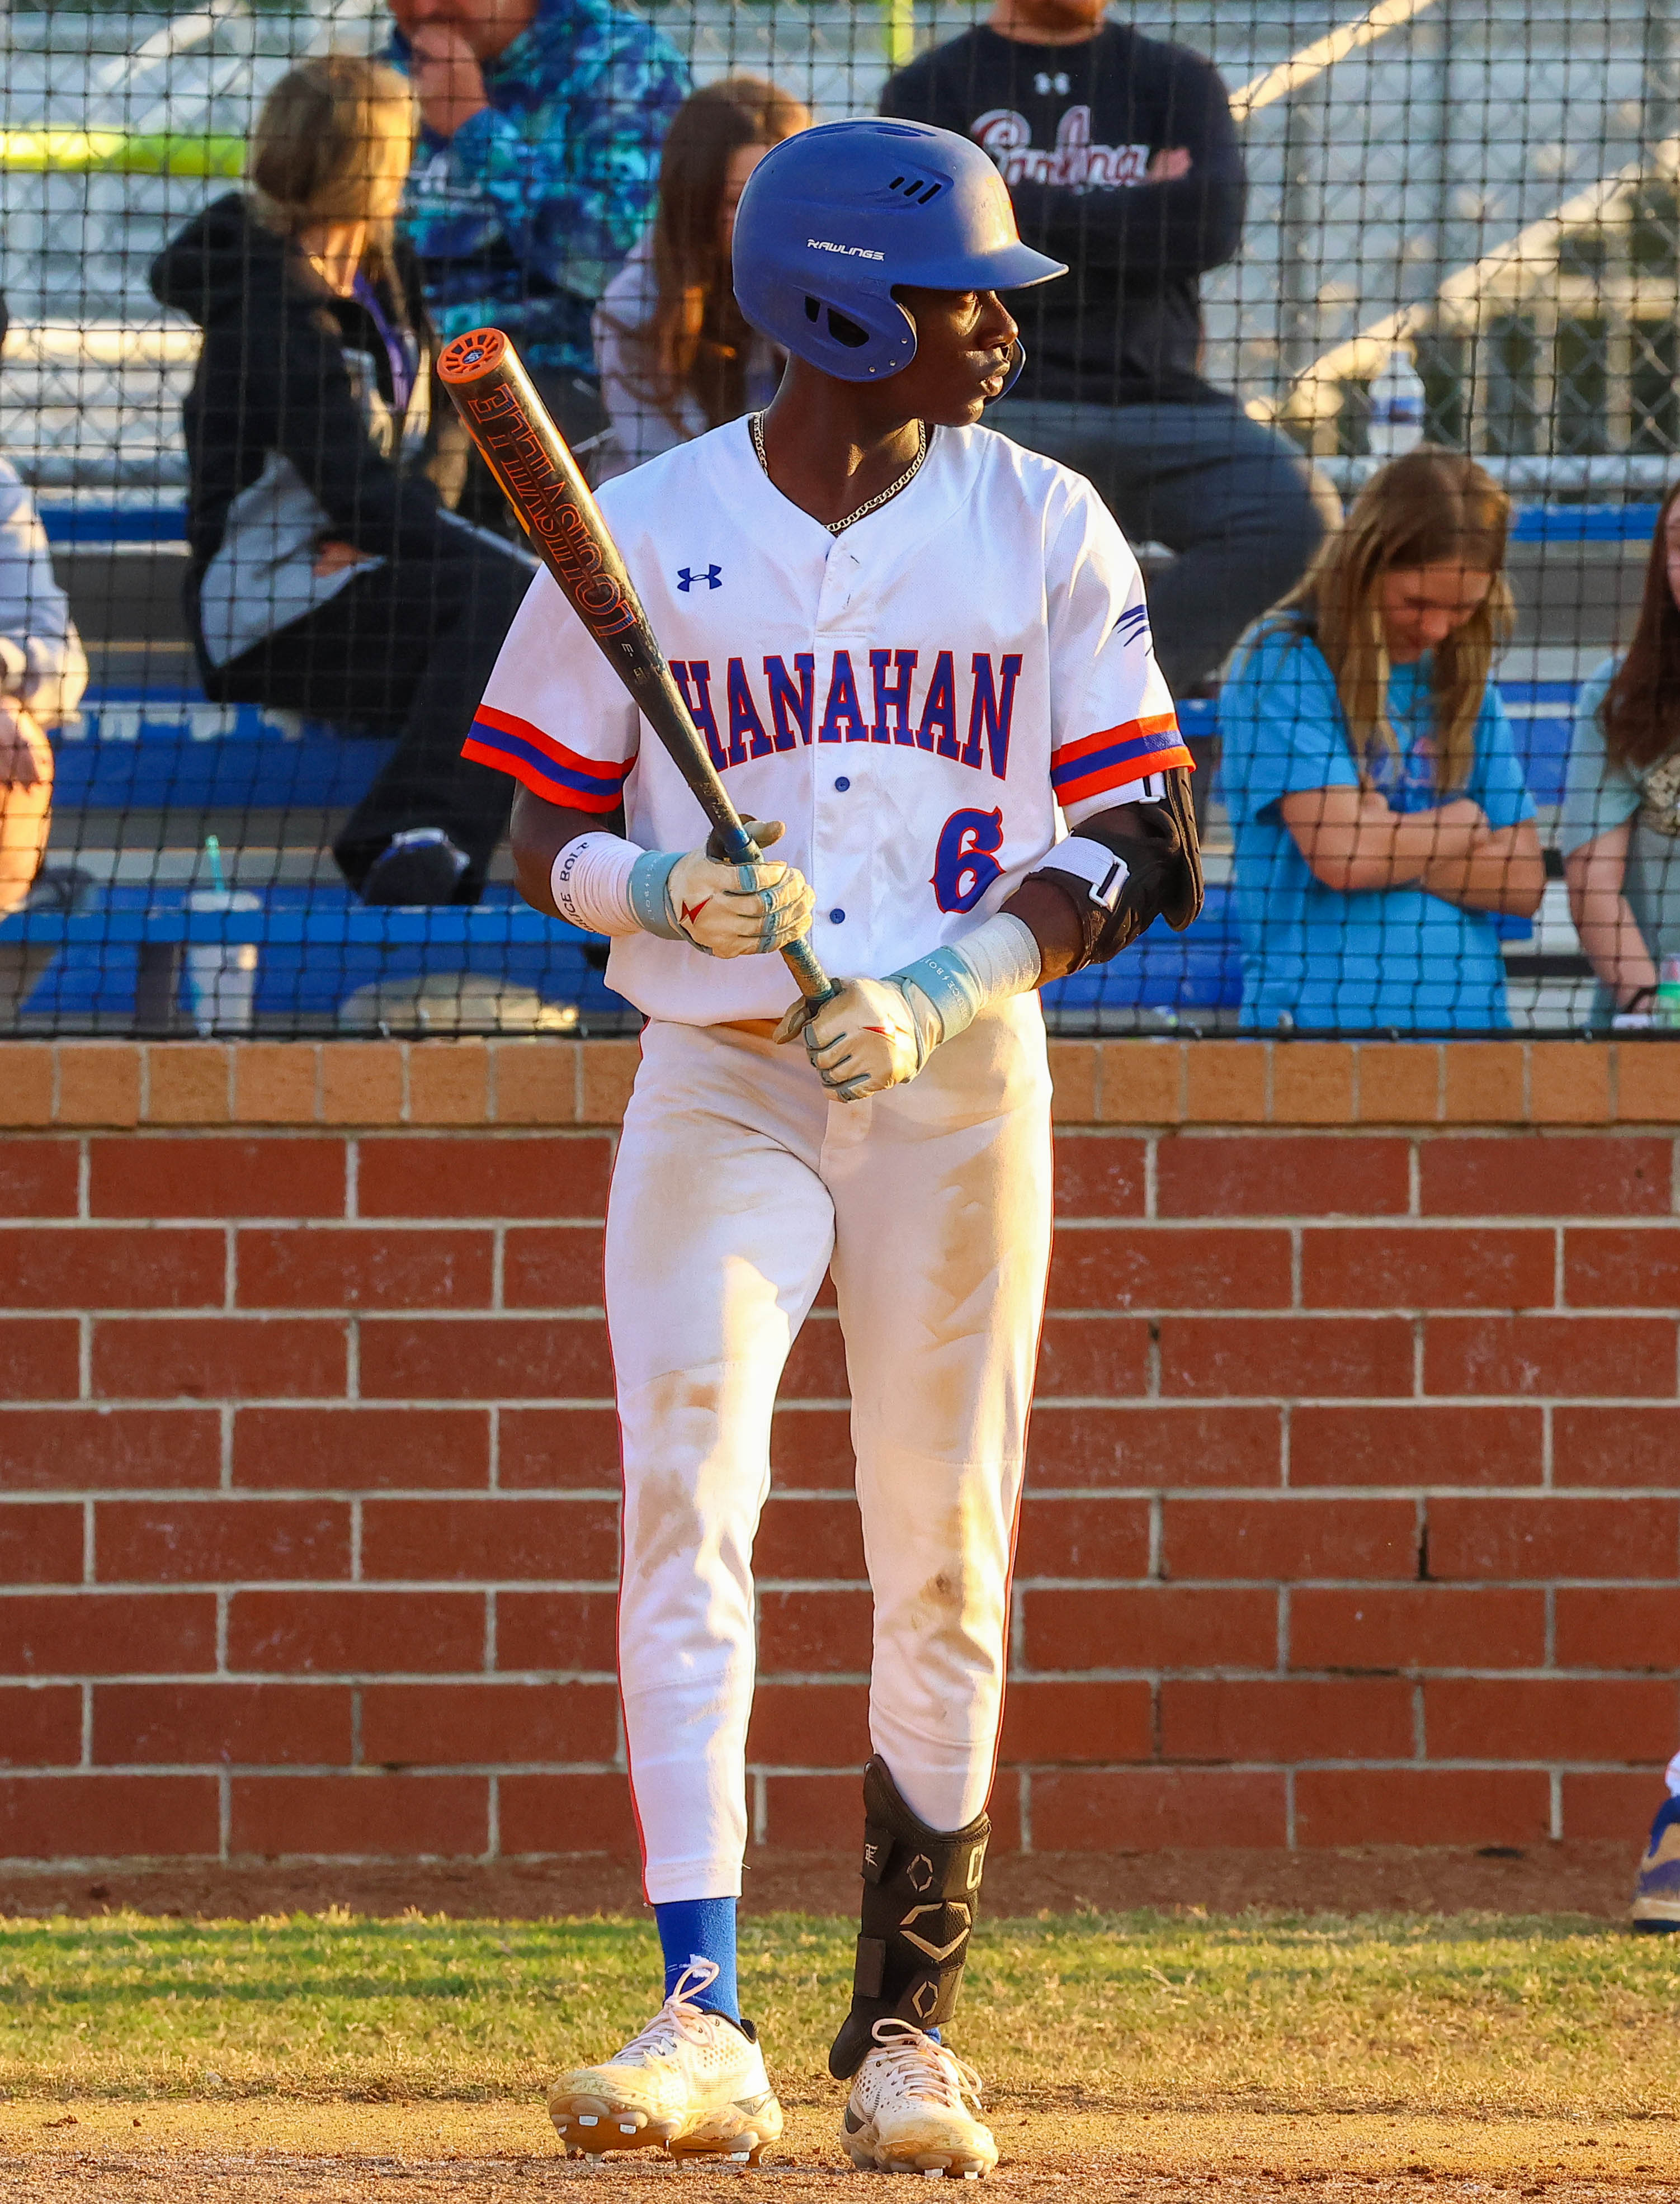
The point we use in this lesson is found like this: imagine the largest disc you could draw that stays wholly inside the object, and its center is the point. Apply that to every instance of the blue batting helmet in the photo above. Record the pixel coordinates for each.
(833, 217)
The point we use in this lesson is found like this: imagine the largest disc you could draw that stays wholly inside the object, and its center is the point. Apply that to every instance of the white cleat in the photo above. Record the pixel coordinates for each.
(692, 2083)
(909, 2110)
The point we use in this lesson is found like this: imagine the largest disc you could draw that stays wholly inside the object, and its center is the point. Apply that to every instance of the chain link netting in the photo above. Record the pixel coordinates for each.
(1470, 204)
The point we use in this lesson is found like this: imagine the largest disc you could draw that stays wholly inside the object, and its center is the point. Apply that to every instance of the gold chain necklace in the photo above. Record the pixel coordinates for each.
(755, 425)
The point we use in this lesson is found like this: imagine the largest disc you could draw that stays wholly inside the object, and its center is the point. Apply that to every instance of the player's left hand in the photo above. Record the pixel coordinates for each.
(739, 910)
(861, 1041)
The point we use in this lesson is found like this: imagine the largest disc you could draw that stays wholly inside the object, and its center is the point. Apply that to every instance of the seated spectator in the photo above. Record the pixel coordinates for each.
(533, 176)
(1122, 160)
(325, 574)
(1379, 808)
(1620, 830)
(26, 785)
(43, 673)
(675, 354)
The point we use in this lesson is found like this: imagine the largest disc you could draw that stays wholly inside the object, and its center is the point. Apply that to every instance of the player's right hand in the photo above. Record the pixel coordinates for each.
(739, 910)
(864, 1039)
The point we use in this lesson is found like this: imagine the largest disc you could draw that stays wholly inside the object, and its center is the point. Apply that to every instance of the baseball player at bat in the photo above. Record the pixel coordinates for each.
(921, 655)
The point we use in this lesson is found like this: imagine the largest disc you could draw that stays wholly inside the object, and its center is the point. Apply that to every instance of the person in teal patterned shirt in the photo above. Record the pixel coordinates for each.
(535, 170)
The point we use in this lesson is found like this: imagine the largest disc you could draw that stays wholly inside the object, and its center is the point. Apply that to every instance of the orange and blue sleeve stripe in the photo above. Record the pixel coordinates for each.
(546, 767)
(1097, 763)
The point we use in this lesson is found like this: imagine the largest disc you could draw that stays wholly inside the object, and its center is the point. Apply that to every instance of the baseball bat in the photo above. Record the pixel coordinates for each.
(540, 480)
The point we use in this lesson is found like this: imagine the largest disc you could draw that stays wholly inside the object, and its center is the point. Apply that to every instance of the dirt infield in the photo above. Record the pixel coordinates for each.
(262, 2150)
(1589, 1876)
(195, 2153)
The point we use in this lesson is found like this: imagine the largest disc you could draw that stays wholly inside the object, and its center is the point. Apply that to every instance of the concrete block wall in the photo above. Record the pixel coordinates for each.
(1353, 1512)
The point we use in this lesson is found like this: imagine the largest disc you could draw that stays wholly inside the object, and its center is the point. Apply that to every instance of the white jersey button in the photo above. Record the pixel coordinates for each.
(837, 918)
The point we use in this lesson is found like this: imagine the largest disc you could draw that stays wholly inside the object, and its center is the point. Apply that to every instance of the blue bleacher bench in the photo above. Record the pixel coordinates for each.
(159, 516)
(1584, 523)
(183, 753)
(162, 750)
(155, 749)
(142, 517)
(139, 749)
(316, 945)
(135, 750)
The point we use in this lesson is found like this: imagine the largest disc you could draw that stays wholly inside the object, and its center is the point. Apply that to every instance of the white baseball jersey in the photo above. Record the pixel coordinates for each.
(923, 700)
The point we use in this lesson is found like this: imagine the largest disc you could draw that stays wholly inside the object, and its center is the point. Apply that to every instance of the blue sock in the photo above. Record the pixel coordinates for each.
(702, 1928)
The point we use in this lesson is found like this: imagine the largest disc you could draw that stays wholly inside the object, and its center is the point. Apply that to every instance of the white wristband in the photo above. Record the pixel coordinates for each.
(1004, 956)
(590, 882)
(999, 958)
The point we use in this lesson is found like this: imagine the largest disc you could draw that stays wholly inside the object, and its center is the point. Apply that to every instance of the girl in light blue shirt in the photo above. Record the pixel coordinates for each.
(1620, 830)
(1379, 809)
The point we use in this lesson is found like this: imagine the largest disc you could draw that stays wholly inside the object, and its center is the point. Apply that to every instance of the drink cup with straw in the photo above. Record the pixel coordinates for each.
(221, 976)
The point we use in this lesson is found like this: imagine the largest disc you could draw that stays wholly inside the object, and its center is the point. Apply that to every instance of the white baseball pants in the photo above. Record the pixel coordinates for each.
(738, 1183)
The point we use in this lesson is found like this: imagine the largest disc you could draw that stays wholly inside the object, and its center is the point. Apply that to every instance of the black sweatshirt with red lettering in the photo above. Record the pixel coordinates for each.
(1072, 129)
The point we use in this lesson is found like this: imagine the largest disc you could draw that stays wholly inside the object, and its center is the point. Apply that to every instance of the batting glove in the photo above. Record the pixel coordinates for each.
(864, 1039)
(724, 910)
(877, 1034)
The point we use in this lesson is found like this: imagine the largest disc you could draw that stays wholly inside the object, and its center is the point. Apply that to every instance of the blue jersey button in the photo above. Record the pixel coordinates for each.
(837, 918)
(842, 784)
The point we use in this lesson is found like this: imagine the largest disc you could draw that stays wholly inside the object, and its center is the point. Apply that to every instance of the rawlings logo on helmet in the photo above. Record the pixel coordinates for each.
(934, 196)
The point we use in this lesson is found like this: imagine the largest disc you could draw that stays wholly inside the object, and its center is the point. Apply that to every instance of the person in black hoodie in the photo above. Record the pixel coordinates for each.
(325, 575)
(1121, 159)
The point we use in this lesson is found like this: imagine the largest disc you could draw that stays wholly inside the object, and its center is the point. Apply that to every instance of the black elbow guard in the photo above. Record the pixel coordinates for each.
(1129, 865)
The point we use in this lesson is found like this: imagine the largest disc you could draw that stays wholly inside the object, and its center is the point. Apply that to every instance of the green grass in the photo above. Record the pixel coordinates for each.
(1471, 2015)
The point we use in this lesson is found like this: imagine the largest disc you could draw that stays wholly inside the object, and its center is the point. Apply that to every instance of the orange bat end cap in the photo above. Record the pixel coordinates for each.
(466, 358)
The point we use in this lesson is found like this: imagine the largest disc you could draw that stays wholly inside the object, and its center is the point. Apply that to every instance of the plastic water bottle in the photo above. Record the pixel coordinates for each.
(1666, 1008)
(1396, 407)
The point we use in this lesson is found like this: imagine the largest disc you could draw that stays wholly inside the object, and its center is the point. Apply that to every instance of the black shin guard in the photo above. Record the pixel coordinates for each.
(920, 1893)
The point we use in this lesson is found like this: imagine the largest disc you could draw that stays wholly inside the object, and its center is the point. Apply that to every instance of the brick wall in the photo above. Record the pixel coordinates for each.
(1354, 1510)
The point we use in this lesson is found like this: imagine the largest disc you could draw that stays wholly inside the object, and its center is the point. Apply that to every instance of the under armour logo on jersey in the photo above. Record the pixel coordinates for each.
(1044, 83)
(711, 576)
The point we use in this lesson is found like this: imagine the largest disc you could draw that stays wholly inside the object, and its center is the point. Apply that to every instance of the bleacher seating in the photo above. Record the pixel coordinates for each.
(138, 751)
(1585, 523)
(141, 517)
(164, 750)
(317, 946)
(155, 749)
